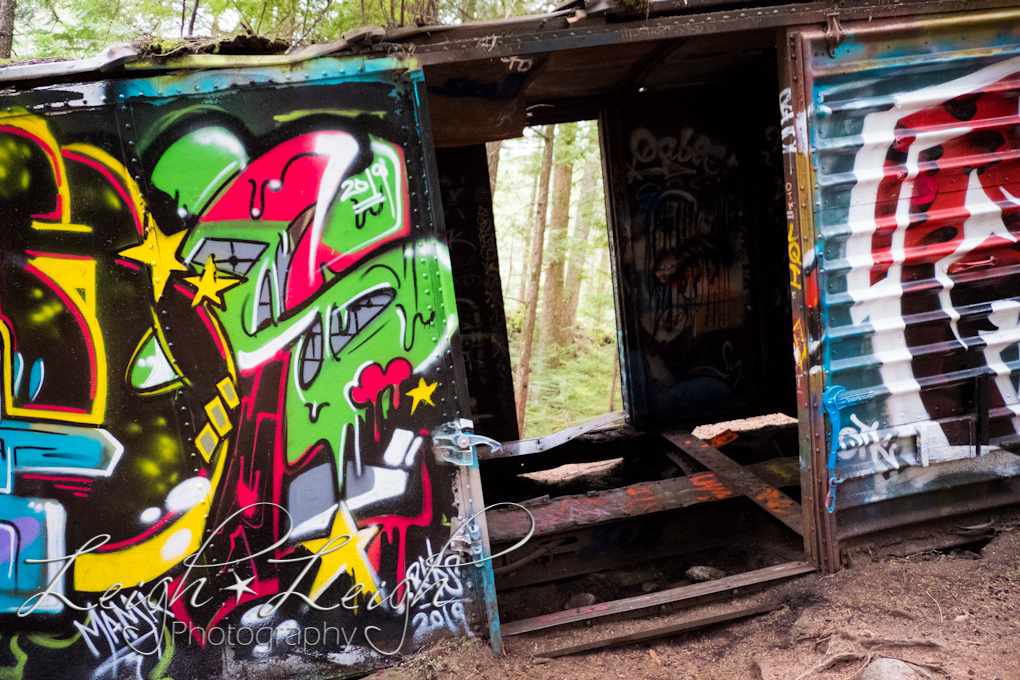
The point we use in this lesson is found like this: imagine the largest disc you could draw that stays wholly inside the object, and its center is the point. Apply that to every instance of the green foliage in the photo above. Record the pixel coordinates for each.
(573, 393)
(82, 28)
(74, 29)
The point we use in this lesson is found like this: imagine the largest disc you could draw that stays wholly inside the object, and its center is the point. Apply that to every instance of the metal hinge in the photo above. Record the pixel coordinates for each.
(475, 539)
(834, 33)
(455, 443)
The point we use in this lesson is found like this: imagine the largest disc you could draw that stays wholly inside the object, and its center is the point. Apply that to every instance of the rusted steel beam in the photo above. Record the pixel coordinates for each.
(540, 34)
(569, 512)
(525, 447)
(672, 596)
(660, 631)
(737, 477)
(685, 462)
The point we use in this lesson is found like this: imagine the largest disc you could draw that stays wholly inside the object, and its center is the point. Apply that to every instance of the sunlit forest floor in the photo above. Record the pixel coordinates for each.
(575, 391)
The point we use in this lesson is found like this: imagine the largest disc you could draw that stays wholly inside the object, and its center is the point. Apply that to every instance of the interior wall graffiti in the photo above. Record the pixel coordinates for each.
(695, 226)
(224, 323)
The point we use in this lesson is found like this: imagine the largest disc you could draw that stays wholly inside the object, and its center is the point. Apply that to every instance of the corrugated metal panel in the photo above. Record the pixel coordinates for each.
(915, 140)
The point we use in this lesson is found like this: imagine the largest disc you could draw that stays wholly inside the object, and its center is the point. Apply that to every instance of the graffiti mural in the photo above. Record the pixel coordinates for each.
(696, 233)
(919, 222)
(226, 323)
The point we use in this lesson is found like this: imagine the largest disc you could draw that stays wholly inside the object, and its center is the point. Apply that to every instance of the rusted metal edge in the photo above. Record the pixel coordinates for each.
(585, 34)
(111, 57)
(902, 511)
(938, 477)
(819, 526)
(645, 498)
(123, 54)
(661, 631)
(771, 499)
(880, 30)
(659, 7)
(523, 447)
(578, 32)
(672, 596)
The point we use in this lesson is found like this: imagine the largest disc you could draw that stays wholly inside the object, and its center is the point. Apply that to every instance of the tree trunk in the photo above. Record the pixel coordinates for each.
(535, 272)
(553, 307)
(7, 8)
(579, 248)
(492, 155)
(604, 275)
(527, 238)
(612, 380)
(191, 24)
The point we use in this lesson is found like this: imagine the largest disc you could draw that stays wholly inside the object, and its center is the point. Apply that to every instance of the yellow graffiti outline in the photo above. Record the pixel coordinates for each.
(167, 387)
(95, 572)
(117, 168)
(56, 269)
(21, 119)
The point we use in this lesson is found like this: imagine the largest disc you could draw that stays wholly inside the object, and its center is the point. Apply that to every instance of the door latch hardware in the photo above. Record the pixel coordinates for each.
(456, 444)
(835, 34)
(833, 400)
(475, 536)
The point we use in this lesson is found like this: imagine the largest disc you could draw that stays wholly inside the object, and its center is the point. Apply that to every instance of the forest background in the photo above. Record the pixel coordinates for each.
(550, 216)
(547, 186)
(76, 29)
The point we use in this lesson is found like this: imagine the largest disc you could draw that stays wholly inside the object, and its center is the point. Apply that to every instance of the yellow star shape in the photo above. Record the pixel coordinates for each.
(209, 285)
(349, 557)
(159, 251)
(422, 393)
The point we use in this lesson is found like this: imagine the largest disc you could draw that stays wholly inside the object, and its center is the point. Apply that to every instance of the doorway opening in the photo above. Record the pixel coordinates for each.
(558, 294)
(684, 286)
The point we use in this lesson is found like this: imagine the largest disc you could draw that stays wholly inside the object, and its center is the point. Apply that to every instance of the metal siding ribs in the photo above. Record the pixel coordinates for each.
(915, 150)
(774, 501)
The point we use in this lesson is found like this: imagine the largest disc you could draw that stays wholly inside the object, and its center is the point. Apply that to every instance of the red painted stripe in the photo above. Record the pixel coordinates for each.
(151, 531)
(75, 480)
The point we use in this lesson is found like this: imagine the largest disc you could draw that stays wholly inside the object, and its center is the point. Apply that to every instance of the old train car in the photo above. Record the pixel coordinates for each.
(256, 387)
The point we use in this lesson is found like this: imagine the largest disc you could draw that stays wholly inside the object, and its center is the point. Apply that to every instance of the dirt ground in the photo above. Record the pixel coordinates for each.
(954, 615)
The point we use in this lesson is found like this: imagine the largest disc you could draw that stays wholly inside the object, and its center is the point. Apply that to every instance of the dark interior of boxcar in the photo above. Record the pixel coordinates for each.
(691, 151)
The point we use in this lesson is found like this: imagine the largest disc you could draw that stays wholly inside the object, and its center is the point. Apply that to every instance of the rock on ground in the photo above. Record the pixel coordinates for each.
(888, 669)
(580, 600)
(701, 574)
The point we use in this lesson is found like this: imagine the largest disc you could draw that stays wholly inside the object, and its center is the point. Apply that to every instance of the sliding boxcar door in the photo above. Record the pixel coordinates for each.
(903, 170)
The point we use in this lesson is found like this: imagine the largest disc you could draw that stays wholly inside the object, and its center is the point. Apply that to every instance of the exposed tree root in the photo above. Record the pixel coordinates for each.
(831, 661)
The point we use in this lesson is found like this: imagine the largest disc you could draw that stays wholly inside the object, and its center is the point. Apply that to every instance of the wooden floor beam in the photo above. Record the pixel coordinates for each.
(690, 593)
(570, 512)
(657, 632)
(771, 499)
